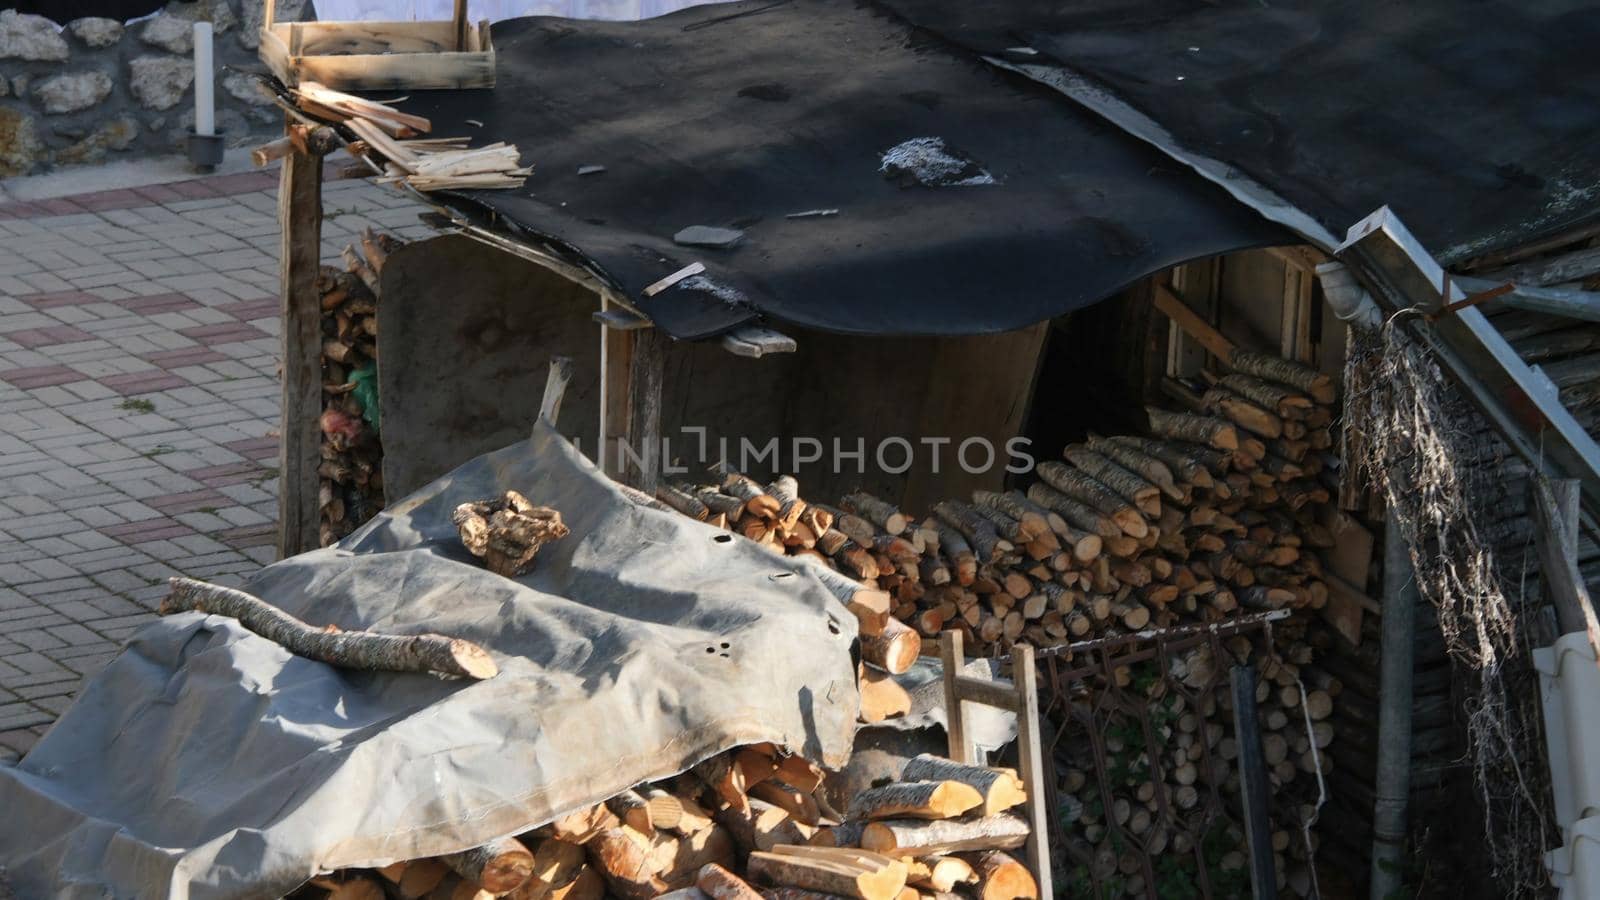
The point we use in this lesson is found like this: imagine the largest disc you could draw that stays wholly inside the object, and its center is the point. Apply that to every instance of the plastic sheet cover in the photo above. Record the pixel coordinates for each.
(207, 762)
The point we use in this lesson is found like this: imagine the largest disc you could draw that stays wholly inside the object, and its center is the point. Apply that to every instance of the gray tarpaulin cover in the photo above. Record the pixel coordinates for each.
(207, 762)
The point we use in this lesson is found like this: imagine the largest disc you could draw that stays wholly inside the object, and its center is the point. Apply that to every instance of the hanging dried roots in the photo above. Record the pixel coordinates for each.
(1413, 437)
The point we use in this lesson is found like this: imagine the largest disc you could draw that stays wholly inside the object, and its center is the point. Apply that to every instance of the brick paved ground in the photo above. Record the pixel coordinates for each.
(138, 412)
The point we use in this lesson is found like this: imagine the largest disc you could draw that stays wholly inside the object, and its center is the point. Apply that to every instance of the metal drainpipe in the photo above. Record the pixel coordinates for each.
(1393, 788)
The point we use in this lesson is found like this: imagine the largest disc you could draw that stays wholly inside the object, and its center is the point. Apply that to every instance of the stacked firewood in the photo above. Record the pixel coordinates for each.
(753, 813)
(1214, 513)
(1177, 797)
(351, 470)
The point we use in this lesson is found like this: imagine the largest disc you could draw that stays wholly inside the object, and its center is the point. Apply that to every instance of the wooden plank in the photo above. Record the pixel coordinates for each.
(990, 693)
(353, 38)
(458, 21)
(1196, 282)
(645, 376)
(400, 71)
(299, 447)
(1032, 761)
(555, 387)
(1172, 306)
(954, 659)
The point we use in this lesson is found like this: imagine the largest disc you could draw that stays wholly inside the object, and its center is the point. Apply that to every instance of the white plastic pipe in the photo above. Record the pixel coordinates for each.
(205, 107)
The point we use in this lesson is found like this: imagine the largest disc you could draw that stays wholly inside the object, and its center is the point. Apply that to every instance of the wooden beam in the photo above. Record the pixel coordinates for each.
(1172, 306)
(299, 445)
(645, 375)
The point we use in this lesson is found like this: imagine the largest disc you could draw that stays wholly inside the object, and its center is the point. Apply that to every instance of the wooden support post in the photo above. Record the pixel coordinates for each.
(642, 450)
(1021, 696)
(954, 659)
(299, 445)
(555, 387)
(1031, 761)
(460, 20)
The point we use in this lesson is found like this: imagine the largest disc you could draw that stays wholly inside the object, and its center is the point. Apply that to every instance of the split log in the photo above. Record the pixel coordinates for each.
(631, 808)
(1001, 877)
(1078, 514)
(882, 514)
(918, 838)
(623, 858)
(800, 772)
(556, 864)
(683, 501)
(942, 873)
(1135, 460)
(348, 649)
(845, 834)
(1144, 496)
(894, 649)
(829, 876)
(757, 502)
(1082, 487)
(720, 884)
(583, 825)
(499, 866)
(978, 530)
(915, 799)
(1000, 788)
(1297, 375)
(1030, 523)
(881, 697)
(1267, 395)
(722, 776)
(1243, 413)
(800, 806)
(1181, 463)
(786, 490)
(1217, 433)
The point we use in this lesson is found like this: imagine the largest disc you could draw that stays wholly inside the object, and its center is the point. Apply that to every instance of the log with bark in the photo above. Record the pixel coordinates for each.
(366, 650)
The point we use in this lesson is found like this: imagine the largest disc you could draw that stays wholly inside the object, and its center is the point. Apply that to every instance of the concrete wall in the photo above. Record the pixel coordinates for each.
(96, 88)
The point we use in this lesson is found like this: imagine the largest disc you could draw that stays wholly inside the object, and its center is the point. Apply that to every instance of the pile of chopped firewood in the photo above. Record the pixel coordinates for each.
(351, 470)
(752, 816)
(426, 164)
(1214, 513)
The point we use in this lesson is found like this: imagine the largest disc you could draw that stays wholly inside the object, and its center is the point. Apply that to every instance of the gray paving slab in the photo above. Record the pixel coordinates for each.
(131, 439)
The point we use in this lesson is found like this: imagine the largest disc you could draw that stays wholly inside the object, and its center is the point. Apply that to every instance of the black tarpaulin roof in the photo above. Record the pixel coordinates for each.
(742, 115)
(1478, 123)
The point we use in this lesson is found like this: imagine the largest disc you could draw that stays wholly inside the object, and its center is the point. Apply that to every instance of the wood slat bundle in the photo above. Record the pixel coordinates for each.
(754, 813)
(351, 470)
(427, 164)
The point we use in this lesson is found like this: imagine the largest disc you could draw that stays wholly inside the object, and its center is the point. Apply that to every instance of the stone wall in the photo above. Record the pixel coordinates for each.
(97, 89)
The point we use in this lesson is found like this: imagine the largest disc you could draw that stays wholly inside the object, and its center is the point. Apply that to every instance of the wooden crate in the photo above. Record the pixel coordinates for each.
(356, 56)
